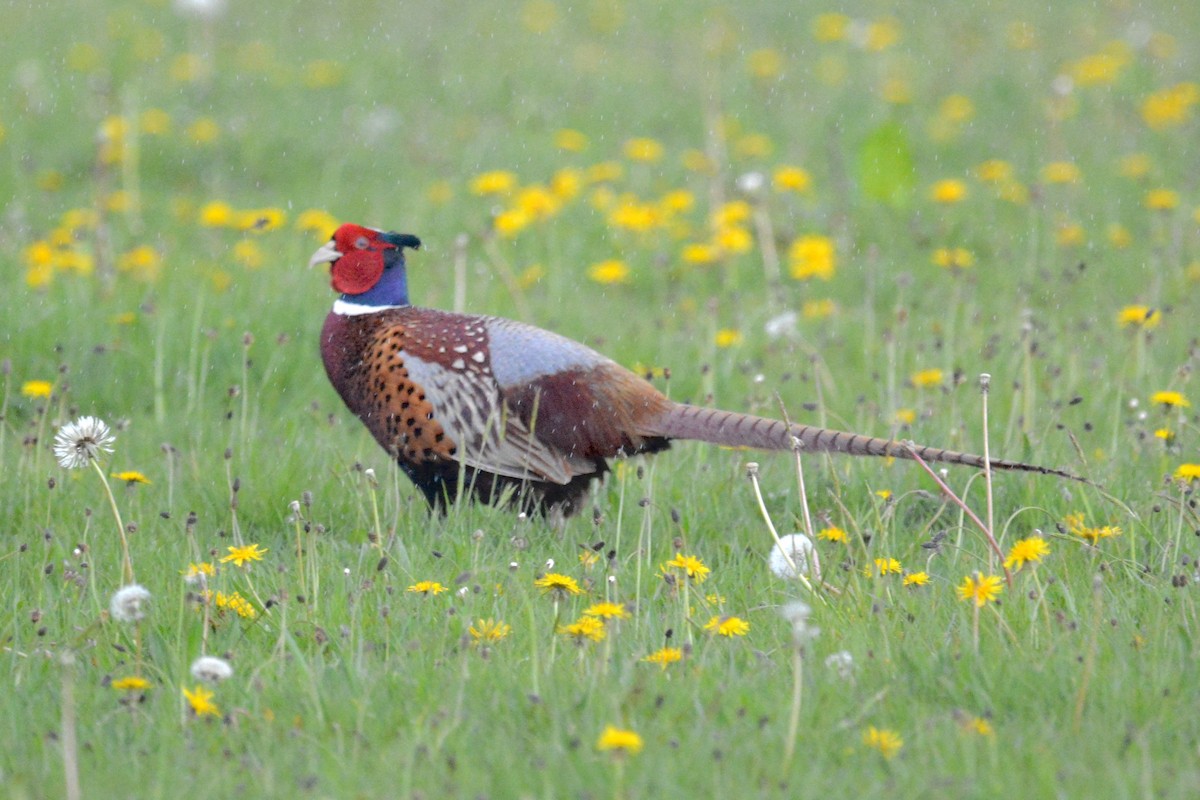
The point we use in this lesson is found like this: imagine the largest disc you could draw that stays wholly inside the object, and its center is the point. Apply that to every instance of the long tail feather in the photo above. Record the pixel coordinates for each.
(744, 430)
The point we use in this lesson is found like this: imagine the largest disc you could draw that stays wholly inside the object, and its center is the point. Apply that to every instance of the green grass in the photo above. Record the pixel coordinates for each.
(347, 685)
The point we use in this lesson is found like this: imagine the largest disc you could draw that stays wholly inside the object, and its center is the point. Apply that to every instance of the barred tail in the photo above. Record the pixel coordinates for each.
(744, 430)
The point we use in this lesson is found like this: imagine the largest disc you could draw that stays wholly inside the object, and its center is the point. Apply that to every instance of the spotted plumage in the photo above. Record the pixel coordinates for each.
(499, 410)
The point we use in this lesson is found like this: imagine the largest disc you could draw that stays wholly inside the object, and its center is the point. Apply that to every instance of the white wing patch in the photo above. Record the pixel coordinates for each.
(475, 418)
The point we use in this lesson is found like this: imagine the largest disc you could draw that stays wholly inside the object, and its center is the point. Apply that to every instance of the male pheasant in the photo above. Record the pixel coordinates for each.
(499, 410)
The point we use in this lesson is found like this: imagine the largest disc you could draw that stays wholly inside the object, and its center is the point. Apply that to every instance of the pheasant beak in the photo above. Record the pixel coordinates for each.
(327, 254)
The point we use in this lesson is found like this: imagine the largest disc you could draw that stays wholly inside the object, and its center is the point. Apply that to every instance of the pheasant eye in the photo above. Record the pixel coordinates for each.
(361, 243)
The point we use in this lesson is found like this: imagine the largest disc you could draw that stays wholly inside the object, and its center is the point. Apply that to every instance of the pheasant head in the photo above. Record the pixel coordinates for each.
(367, 265)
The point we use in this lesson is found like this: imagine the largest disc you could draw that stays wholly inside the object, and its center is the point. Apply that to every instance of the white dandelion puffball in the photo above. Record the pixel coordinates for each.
(211, 669)
(796, 545)
(82, 441)
(842, 663)
(130, 604)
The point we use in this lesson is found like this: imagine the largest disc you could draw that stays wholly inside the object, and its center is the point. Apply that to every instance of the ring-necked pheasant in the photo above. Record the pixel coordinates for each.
(491, 408)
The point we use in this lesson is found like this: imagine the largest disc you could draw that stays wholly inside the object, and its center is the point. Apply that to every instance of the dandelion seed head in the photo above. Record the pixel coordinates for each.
(798, 548)
(841, 662)
(80, 442)
(211, 669)
(130, 603)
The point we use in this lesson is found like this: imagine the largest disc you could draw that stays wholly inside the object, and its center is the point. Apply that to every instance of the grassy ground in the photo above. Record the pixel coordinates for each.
(854, 216)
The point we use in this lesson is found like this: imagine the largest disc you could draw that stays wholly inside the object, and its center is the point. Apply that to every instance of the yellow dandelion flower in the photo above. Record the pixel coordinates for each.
(791, 179)
(691, 566)
(143, 261)
(700, 253)
(1134, 165)
(1119, 236)
(916, 579)
(818, 309)
(131, 683)
(978, 726)
(1170, 399)
(570, 140)
(1099, 68)
(196, 571)
(887, 742)
(728, 337)
(240, 555)
(538, 202)
(130, 477)
(559, 585)
(249, 254)
(994, 171)
(956, 108)
(320, 222)
(832, 534)
(643, 149)
(881, 34)
(494, 182)
(953, 258)
(37, 389)
(200, 701)
(632, 214)
(605, 172)
(812, 257)
(664, 657)
(925, 378)
(733, 239)
(1161, 199)
(154, 122)
(698, 161)
(729, 626)
(619, 741)
(216, 215)
(607, 611)
(1170, 106)
(426, 588)
(1187, 472)
(765, 64)
(830, 27)
(753, 145)
(585, 629)
(261, 220)
(566, 183)
(609, 272)
(324, 73)
(905, 416)
(1165, 434)
(980, 589)
(1027, 551)
(948, 191)
(1139, 316)
(510, 222)
(489, 631)
(1061, 172)
(883, 566)
(236, 603)
(203, 131)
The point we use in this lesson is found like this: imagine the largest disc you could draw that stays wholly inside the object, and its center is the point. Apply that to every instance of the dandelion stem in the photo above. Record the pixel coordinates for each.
(752, 473)
(794, 719)
(985, 381)
(70, 744)
(966, 509)
(1089, 658)
(126, 563)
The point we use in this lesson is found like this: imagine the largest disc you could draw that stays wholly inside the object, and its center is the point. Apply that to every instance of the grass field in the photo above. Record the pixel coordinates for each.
(844, 213)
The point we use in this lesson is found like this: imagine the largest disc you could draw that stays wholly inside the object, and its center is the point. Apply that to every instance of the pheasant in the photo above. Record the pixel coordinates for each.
(501, 411)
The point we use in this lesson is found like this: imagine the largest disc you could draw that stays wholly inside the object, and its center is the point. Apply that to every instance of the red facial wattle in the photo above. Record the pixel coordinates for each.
(357, 271)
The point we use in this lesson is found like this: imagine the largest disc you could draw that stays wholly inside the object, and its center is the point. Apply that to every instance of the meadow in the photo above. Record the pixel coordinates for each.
(831, 212)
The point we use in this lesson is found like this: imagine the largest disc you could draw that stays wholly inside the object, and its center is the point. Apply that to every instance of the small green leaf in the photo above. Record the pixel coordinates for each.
(885, 165)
